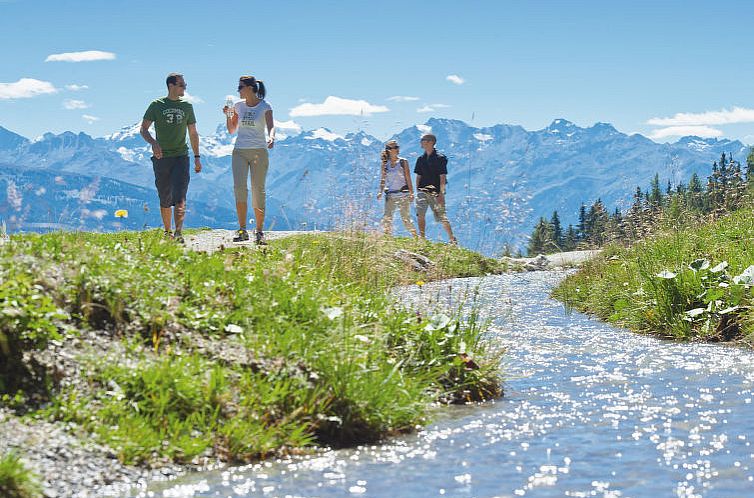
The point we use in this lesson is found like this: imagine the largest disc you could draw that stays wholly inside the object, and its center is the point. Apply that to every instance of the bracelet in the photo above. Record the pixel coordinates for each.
(197, 156)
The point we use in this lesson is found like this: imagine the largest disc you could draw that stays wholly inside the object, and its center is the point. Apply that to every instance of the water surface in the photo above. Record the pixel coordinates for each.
(589, 410)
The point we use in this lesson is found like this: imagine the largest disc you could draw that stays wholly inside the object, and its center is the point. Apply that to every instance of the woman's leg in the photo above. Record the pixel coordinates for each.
(405, 206)
(259, 165)
(240, 167)
(387, 218)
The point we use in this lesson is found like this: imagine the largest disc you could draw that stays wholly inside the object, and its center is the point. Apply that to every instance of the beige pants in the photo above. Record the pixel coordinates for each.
(402, 202)
(257, 161)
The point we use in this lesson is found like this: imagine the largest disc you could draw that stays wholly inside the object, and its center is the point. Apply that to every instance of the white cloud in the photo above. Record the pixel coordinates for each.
(71, 104)
(89, 118)
(725, 116)
(25, 88)
(192, 99)
(455, 79)
(85, 56)
(682, 131)
(402, 98)
(432, 107)
(76, 88)
(336, 106)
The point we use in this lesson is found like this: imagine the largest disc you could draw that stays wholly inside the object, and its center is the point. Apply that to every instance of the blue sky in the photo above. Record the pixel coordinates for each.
(661, 68)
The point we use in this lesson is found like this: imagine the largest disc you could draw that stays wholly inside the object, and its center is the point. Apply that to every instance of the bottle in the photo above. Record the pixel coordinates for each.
(229, 104)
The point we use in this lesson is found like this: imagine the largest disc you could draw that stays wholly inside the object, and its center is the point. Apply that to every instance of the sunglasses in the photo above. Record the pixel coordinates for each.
(240, 87)
(393, 147)
(182, 85)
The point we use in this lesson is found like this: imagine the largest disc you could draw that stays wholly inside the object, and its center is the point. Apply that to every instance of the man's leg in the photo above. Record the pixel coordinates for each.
(166, 214)
(179, 212)
(448, 230)
(422, 204)
(421, 220)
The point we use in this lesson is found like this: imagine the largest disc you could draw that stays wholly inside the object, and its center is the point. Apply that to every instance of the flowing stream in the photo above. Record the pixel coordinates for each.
(589, 410)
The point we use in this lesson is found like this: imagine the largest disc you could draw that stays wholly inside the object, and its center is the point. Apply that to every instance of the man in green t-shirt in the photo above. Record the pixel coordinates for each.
(172, 117)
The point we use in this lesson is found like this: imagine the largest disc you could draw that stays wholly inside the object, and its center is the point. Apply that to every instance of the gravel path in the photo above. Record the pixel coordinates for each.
(215, 240)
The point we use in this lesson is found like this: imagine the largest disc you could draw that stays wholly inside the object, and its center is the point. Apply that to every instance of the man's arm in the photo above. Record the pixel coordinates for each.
(144, 132)
(194, 138)
(441, 194)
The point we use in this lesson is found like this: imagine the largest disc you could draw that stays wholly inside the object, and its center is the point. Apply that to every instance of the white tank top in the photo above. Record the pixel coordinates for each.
(251, 125)
(395, 180)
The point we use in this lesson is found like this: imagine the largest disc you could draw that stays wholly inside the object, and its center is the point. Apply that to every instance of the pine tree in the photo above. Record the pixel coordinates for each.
(750, 167)
(655, 196)
(582, 228)
(571, 239)
(539, 238)
(557, 230)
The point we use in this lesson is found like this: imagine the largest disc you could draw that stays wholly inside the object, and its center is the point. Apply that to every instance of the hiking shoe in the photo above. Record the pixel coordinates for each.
(241, 236)
(453, 241)
(178, 237)
(167, 234)
(260, 239)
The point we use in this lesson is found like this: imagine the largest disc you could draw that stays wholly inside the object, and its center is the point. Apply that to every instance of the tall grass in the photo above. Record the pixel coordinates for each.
(240, 354)
(692, 283)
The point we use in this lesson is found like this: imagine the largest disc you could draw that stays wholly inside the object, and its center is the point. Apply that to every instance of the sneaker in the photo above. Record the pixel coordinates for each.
(453, 241)
(241, 236)
(167, 234)
(260, 239)
(178, 237)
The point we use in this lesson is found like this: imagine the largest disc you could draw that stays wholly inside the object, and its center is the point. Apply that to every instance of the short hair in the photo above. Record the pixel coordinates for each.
(172, 78)
(430, 137)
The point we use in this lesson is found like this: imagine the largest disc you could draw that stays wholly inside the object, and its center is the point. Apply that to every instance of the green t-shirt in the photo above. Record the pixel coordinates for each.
(171, 117)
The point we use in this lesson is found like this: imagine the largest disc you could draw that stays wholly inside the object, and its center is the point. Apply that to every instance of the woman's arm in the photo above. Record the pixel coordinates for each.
(407, 174)
(231, 122)
(270, 128)
(382, 181)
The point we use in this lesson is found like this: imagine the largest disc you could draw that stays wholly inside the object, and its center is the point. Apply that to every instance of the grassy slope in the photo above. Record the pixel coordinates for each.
(238, 354)
(697, 299)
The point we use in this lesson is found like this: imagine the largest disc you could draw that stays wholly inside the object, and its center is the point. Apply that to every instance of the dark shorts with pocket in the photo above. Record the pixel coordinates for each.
(171, 177)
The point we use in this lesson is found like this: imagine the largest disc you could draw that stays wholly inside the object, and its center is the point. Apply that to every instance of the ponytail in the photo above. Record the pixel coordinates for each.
(257, 86)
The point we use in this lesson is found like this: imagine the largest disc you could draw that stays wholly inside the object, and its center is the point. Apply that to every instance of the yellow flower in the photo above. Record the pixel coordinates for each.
(121, 213)
(420, 283)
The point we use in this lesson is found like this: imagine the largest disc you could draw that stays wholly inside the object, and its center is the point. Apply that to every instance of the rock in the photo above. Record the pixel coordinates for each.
(417, 261)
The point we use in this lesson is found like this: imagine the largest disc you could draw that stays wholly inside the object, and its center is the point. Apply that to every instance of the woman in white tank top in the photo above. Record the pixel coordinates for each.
(395, 183)
(250, 117)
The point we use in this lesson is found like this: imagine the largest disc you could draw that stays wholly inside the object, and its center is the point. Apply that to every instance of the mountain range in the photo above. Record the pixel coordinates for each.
(501, 179)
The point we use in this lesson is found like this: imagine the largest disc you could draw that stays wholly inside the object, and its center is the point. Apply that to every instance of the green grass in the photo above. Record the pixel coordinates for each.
(686, 284)
(15, 480)
(242, 353)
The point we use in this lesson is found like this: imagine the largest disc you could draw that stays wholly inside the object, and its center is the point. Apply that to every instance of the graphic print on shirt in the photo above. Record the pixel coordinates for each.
(247, 120)
(174, 116)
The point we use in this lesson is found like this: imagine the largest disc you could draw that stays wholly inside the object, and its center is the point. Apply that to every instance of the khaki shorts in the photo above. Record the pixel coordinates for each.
(426, 200)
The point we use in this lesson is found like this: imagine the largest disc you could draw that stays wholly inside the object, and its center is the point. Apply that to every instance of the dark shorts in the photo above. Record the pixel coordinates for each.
(171, 177)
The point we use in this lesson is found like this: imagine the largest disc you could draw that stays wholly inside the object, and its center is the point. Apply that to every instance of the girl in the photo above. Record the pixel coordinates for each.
(250, 117)
(395, 182)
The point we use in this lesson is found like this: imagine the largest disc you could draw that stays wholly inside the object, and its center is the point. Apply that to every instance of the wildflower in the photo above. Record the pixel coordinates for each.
(420, 283)
(121, 213)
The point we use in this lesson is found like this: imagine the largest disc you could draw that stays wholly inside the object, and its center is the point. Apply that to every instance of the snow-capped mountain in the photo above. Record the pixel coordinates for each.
(501, 178)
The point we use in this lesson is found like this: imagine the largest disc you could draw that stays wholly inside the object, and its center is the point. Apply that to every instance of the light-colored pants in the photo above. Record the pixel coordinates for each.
(402, 202)
(258, 162)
